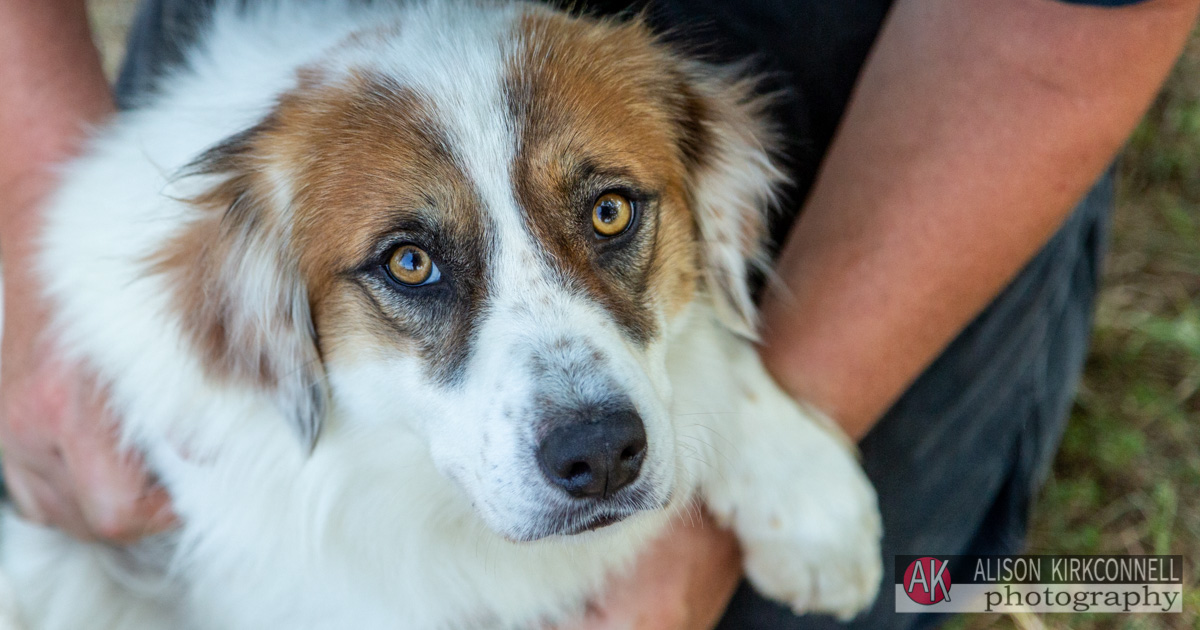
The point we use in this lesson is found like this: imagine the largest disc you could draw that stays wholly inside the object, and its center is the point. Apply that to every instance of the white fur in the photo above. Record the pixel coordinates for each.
(388, 522)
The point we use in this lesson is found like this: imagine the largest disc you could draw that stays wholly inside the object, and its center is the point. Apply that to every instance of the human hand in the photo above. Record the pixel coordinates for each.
(62, 463)
(682, 581)
(61, 459)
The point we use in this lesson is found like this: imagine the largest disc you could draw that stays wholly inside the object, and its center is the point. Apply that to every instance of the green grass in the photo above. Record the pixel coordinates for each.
(1127, 478)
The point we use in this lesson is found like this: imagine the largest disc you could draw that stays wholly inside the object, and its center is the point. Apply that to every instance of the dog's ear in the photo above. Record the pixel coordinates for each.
(238, 290)
(729, 147)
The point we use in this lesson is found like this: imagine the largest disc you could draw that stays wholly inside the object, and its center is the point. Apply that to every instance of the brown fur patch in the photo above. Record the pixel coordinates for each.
(365, 163)
(376, 166)
(600, 105)
(205, 260)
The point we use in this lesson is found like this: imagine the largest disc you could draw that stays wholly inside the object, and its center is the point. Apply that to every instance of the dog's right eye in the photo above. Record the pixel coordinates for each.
(411, 266)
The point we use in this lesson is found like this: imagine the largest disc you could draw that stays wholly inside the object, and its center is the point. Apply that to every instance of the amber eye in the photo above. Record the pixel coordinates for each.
(410, 265)
(611, 215)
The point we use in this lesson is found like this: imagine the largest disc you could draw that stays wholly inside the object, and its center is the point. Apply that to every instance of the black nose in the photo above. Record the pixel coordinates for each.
(594, 459)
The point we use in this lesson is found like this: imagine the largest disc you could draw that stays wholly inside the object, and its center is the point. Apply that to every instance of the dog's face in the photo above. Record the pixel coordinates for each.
(480, 226)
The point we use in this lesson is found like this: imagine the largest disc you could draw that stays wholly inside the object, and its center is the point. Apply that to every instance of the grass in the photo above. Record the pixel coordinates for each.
(1127, 479)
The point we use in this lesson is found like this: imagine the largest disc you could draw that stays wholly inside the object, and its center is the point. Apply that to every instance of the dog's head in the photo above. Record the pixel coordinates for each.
(480, 226)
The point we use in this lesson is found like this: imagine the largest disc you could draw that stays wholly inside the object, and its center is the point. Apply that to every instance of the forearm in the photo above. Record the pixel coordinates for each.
(975, 128)
(62, 462)
(53, 87)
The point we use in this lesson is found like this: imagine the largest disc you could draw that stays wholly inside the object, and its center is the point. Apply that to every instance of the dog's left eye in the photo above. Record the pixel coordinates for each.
(411, 266)
(611, 215)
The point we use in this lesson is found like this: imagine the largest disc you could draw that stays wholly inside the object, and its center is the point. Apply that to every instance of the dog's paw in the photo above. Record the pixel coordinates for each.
(786, 480)
(805, 514)
(813, 566)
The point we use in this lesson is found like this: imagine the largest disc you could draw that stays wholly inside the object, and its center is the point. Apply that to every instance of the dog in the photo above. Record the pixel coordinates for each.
(432, 315)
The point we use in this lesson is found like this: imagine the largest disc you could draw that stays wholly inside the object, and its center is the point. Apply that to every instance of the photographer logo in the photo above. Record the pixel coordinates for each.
(927, 581)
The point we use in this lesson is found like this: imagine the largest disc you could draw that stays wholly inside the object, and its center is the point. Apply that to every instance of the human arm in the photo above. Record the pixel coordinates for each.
(975, 128)
(60, 457)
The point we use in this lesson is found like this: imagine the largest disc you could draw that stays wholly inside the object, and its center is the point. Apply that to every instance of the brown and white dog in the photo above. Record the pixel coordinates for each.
(431, 315)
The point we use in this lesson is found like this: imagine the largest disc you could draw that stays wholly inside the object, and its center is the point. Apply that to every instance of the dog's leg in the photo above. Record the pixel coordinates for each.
(782, 478)
(60, 583)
